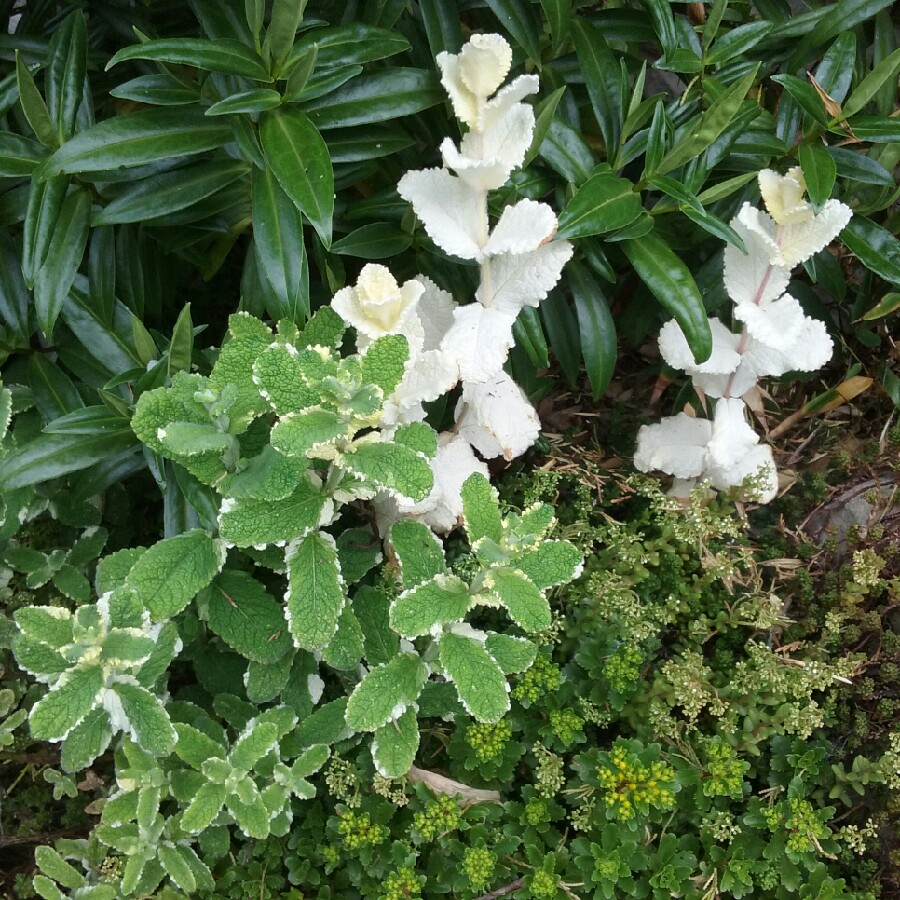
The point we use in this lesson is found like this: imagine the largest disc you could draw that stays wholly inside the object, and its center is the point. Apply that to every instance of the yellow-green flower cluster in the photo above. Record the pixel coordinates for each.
(401, 885)
(566, 724)
(801, 823)
(359, 831)
(543, 884)
(724, 774)
(623, 668)
(439, 817)
(478, 866)
(488, 739)
(542, 678)
(631, 786)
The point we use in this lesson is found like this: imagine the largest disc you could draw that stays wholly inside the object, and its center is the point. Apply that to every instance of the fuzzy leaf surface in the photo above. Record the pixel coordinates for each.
(385, 692)
(316, 592)
(480, 682)
(429, 605)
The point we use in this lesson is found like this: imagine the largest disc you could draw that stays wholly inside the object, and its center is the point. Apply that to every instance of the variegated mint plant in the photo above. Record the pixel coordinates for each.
(776, 337)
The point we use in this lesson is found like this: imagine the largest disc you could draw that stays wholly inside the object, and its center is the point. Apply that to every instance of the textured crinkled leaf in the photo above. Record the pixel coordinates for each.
(417, 436)
(169, 575)
(112, 570)
(51, 625)
(253, 744)
(247, 617)
(479, 681)
(419, 552)
(41, 660)
(391, 466)
(346, 649)
(481, 509)
(127, 646)
(265, 681)
(167, 646)
(385, 692)
(248, 522)
(522, 228)
(268, 476)
(316, 592)
(252, 818)
(248, 337)
(372, 611)
(192, 439)
(150, 725)
(194, 747)
(176, 868)
(279, 376)
(430, 605)
(676, 445)
(549, 564)
(327, 725)
(204, 808)
(777, 324)
(71, 699)
(384, 362)
(298, 434)
(528, 528)
(86, 741)
(724, 359)
(359, 550)
(325, 329)
(47, 888)
(478, 342)
(512, 654)
(52, 864)
(394, 745)
(525, 603)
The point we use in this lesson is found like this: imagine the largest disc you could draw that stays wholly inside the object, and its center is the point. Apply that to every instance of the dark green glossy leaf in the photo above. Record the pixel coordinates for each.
(805, 95)
(603, 79)
(299, 159)
(521, 23)
(286, 17)
(382, 95)
(54, 392)
(530, 335)
(558, 14)
(441, 21)
(223, 55)
(34, 107)
(249, 102)
(562, 330)
(45, 199)
(596, 328)
(602, 204)
(64, 254)
(139, 138)
(66, 72)
(159, 89)
(737, 42)
(877, 129)
(19, 155)
(379, 240)
(112, 345)
(348, 45)
(278, 243)
(671, 282)
(88, 420)
(169, 192)
(835, 72)
(885, 72)
(350, 145)
(566, 152)
(660, 14)
(819, 172)
(876, 248)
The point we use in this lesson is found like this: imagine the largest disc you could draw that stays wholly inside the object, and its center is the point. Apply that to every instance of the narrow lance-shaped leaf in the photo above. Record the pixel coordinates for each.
(223, 55)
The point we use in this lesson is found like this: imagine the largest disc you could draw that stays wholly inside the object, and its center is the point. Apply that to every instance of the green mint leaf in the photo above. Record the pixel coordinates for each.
(191, 439)
(346, 648)
(481, 509)
(310, 761)
(247, 617)
(126, 646)
(316, 592)
(204, 808)
(527, 606)
(125, 607)
(393, 467)
(512, 654)
(51, 625)
(394, 745)
(419, 552)
(252, 817)
(302, 433)
(149, 721)
(53, 865)
(70, 700)
(527, 529)
(176, 868)
(282, 375)
(372, 609)
(479, 681)
(385, 692)
(549, 564)
(268, 476)
(169, 575)
(39, 659)
(251, 522)
(265, 681)
(327, 725)
(194, 747)
(86, 741)
(359, 550)
(167, 643)
(384, 362)
(248, 337)
(325, 329)
(112, 570)
(253, 744)
(430, 605)
(417, 436)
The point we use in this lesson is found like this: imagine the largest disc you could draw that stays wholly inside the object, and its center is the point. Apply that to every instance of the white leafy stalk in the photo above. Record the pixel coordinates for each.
(776, 337)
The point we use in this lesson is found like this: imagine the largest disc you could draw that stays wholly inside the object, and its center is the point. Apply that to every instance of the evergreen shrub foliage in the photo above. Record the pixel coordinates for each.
(236, 659)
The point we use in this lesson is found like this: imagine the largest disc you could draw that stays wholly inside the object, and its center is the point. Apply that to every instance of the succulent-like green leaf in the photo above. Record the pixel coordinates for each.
(512, 654)
(150, 723)
(316, 592)
(524, 602)
(419, 552)
(61, 709)
(247, 522)
(247, 617)
(327, 725)
(176, 868)
(550, 563)
(393, 467)
(480, 682)
(394, 745)
(481, 509)
(53, 865)
(430, 605)
(300, 434)
(169, 575)
(385, 692)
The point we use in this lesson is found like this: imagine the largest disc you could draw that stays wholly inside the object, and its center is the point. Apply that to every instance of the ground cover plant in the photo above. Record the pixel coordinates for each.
(332, 336)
